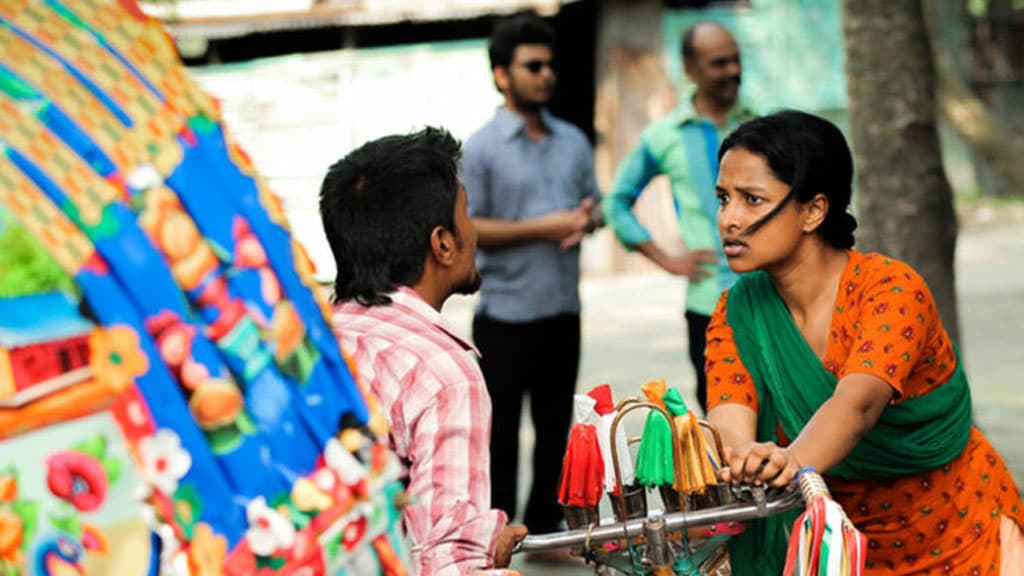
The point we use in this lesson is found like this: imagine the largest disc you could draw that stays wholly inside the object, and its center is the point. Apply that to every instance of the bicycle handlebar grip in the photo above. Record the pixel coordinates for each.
(812, 485)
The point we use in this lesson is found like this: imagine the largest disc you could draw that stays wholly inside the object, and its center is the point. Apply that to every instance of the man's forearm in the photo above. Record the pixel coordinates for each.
(652, 252)
(493, 233)
(461, 541)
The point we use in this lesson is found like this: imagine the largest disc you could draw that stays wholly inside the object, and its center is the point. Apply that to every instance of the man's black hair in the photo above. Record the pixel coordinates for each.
(379, 205)
(522, 28)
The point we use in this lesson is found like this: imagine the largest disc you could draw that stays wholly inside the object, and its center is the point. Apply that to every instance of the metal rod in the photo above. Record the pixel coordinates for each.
(658, 551)
(676, 521)
(628, 405)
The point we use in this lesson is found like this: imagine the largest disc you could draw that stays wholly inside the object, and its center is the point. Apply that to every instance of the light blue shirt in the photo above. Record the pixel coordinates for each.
(509, 176)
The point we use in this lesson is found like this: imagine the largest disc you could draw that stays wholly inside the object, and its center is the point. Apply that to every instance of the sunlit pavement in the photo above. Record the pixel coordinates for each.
(633, 332)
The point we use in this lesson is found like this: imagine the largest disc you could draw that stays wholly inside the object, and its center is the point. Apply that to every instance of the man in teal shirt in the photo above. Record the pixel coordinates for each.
(684, 146)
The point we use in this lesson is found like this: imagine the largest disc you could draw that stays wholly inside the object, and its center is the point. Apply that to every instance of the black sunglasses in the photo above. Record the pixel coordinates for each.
(535, 66)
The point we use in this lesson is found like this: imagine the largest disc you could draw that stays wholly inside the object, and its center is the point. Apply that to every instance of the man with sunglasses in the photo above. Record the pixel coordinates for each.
(532, 197)
(683, 145)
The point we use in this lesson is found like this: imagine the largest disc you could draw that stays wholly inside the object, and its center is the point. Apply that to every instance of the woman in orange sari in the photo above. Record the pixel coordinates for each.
(822, 356)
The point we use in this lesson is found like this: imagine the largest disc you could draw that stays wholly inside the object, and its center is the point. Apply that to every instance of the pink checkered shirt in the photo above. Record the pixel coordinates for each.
(431, 389)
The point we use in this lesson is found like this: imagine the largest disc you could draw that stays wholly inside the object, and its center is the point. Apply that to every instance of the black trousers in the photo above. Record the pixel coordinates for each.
(541, 360)
(697, 327)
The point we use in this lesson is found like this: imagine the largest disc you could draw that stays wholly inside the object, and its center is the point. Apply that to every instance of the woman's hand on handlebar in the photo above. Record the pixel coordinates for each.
(759, 463)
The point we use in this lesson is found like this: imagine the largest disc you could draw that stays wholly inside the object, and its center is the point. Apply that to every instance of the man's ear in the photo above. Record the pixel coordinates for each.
(815, 212)
(442, 245)
(500, 74)
(688, 67)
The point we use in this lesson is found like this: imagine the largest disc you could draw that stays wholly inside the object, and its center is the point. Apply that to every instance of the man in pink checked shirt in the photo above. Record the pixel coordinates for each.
(395, 216)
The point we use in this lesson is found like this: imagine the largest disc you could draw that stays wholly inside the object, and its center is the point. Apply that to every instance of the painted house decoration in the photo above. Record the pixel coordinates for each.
(188, 410)
(44, 346)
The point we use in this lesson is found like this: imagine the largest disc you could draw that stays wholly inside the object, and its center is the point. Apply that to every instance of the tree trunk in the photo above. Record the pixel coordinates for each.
(904, 202)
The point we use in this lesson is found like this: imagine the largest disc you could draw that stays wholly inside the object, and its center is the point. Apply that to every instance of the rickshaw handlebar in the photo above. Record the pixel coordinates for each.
(810, 485)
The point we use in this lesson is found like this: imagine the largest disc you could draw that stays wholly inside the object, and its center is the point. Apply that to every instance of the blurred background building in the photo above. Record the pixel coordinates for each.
(302, 82)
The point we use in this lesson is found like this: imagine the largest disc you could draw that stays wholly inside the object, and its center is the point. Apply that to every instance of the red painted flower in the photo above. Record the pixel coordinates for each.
(306, 557)
(78, 478)
(241, 561)
(94, 540)
(353, 533)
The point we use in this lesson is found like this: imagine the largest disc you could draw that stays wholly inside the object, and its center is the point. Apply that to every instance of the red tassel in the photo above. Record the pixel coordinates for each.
(582, 468)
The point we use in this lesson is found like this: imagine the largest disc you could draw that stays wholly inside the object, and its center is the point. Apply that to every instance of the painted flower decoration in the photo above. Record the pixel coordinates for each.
(164, 462)
(12, 531)
(306, 556)
(115, 356)
(353, 533)
(207, 552)
(133, 415)
(343, 462)
(77, 478)
(93, 539)
(175, 343)
(188, 508)
(287, 330)
(308, 496)
(216, 403)
(268, 530)
(8, 488)
(249, 252)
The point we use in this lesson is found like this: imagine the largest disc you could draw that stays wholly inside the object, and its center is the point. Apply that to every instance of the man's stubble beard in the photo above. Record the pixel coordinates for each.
(732, 98)
(527, 105)
(469, 286)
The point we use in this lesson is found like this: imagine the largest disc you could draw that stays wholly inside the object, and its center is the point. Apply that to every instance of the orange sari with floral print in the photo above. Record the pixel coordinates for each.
(946, 521)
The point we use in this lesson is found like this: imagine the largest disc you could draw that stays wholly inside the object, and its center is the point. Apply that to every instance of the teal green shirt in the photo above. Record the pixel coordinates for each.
(684, 146)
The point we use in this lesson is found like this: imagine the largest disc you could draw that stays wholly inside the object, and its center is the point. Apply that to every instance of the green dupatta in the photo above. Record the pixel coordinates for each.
(910, 437)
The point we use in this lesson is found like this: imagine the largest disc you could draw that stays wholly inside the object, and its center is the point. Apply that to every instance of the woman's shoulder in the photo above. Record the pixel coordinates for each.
(881, 282)
(873, 268)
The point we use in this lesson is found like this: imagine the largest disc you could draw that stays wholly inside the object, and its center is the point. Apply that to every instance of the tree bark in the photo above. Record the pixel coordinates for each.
(904, 202)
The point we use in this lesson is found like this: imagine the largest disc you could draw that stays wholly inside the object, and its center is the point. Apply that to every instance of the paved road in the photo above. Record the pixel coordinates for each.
(633, 332)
